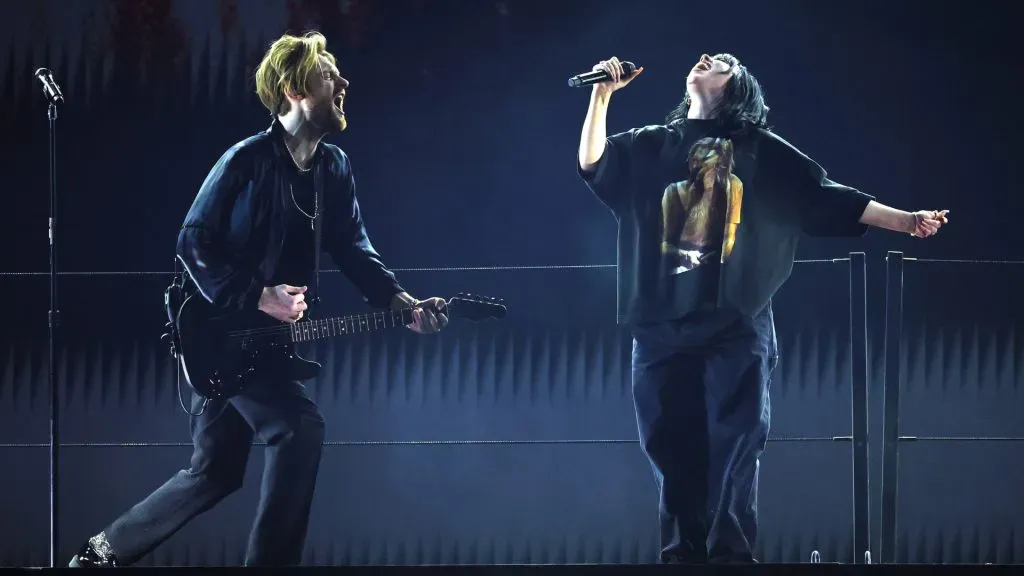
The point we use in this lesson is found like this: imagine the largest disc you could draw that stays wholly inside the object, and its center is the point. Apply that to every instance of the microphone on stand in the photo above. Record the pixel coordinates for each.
(598, 76)
(50, 88)
(54, 96)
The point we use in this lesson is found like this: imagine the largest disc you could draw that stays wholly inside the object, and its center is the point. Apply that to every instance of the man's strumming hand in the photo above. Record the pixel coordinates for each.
(285, 303)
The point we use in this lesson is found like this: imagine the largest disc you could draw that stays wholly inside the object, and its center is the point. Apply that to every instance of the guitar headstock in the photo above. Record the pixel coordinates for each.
(476, 308)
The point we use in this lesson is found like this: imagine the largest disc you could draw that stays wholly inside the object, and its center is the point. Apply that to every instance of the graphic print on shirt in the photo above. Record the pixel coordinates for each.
(701, 214)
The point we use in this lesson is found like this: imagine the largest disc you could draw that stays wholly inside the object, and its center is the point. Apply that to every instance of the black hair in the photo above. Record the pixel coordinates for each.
(742, 106)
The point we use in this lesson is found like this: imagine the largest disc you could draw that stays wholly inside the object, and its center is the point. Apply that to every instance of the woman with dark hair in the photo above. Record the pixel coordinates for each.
(710, 207)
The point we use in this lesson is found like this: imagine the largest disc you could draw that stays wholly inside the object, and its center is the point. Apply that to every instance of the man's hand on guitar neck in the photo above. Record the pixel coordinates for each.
(427, 316)
(285, 303)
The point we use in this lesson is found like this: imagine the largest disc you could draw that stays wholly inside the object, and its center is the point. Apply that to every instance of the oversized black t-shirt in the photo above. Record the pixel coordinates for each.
(709, 219)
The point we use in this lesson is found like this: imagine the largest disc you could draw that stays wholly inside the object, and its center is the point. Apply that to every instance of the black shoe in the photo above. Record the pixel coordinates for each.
(677, 558)
(88, 557)
(732, 558)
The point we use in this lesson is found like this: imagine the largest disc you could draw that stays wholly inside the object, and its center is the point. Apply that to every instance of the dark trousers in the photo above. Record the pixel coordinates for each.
(283, 416)
(702, 412)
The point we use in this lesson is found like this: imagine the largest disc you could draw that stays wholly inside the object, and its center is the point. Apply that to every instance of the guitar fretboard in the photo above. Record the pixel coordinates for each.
(355, 324)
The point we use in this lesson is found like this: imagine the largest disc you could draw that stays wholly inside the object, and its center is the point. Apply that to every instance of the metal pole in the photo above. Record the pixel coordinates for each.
(859, 405)
(53, 320)
(893, 383)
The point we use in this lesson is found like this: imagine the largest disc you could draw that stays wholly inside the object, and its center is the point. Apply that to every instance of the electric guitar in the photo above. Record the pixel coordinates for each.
(222, 353)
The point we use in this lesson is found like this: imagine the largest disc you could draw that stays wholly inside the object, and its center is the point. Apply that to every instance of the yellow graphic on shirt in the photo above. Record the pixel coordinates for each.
(711, 196)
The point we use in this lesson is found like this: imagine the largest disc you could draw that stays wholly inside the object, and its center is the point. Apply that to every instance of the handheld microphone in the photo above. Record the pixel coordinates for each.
(598, 76)
(50, 88)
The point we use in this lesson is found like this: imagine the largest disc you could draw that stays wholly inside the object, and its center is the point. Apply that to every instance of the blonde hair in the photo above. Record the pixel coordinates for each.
(286, 68)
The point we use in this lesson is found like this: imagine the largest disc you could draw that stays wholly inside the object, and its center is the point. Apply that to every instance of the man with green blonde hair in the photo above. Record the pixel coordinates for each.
(249, 244)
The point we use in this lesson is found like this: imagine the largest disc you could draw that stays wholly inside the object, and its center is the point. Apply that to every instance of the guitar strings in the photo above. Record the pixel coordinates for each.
(298, 331)
(323, 323)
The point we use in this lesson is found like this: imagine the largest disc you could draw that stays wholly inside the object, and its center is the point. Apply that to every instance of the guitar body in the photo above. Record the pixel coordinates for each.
(223, 354)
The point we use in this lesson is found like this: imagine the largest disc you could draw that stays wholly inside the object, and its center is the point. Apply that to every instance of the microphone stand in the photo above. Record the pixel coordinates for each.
(54, 321)
(53, 96)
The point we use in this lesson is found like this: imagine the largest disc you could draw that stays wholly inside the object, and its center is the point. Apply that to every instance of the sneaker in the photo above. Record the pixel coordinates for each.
(88, 557)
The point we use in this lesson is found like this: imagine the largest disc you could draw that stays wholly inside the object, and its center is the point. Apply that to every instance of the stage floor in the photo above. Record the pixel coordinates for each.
(594, 569)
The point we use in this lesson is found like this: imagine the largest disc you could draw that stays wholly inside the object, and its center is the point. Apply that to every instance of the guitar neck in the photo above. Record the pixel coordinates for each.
(321, 329)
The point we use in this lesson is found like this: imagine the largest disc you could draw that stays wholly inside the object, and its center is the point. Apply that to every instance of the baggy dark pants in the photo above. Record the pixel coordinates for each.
(280, 414)
(703, 416)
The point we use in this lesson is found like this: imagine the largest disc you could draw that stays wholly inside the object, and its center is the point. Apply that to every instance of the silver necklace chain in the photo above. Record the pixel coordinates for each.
(291, 190)
(316, 205)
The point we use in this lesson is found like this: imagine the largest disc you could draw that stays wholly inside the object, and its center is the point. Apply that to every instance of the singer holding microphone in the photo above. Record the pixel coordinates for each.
(710, 205)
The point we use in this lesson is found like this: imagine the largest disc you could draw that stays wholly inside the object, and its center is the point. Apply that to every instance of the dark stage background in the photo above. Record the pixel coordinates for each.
(512, 441)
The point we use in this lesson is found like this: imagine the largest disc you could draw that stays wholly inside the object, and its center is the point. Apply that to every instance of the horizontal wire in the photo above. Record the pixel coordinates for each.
(384, 443)
(422, 269)
(960, 439)
(501, 442)
(961, 261)
(499, 268)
